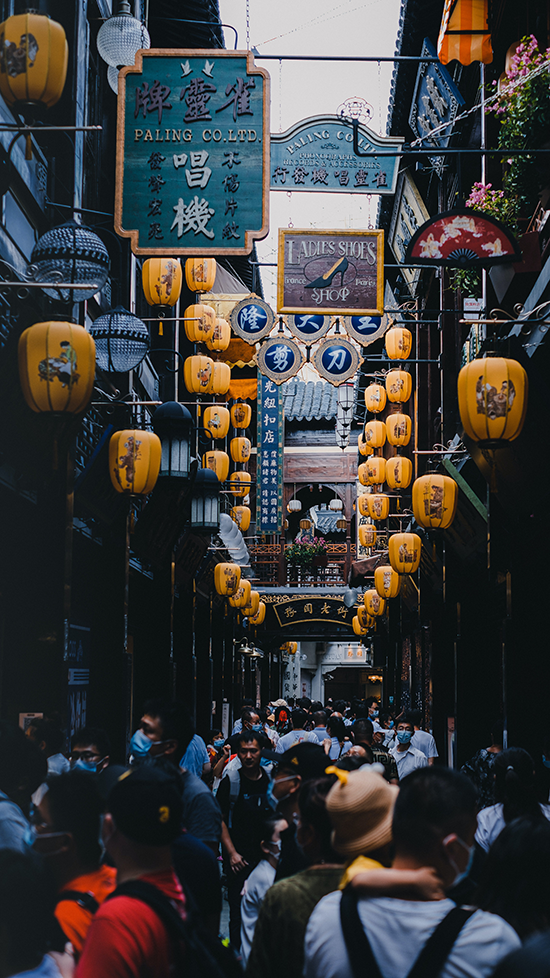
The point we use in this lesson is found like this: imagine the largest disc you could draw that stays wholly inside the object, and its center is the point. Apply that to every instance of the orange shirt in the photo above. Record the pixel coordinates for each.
(75, 920)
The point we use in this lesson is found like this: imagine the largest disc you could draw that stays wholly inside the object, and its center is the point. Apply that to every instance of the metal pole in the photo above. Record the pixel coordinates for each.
(172, 598)
(128, 661)
(483, 177)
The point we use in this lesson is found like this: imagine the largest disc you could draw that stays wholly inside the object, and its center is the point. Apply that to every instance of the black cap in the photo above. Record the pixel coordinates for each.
(146, 806)
(306, 759)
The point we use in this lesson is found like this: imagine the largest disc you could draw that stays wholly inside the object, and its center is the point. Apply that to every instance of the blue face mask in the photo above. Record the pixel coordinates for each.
(258, 727)
(218, 743)
(29, 835)
(375, 713)
(404, 736)
(391, 724)
(89, 766)
(546, 761)
(465, 872)
(140, 745)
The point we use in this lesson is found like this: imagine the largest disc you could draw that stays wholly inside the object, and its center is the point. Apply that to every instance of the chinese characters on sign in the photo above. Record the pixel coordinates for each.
(409, 213)
(336, 360)
(310, 608)
(436, 101)
(252, 319)
(269, 495)
(330, 272)
(279, 359)
(193, 153)
(308, 329)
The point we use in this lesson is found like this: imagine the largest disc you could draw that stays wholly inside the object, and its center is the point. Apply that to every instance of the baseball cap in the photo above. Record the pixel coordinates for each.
(146, 806)
(306, 759)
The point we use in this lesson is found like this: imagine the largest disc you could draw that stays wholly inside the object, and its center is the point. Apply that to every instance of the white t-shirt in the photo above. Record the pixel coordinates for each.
(254, 891)
(425, 742)
(295, 737)
(490, 823)
(397, 931)
(408, 760)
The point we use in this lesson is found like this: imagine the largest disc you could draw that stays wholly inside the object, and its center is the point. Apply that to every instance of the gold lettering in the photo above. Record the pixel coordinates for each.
(217, 135)
(230, 137)
(207, 135)
(242, 134)
(158, 139)
(187, 135)
(176, 135)
(251, 135)
(148, 136)
(138, 133)
(167, 135)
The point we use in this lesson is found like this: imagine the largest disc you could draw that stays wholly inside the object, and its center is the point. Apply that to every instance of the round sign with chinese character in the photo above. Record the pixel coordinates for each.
(279, 359)
(365, 329)
(336, 360)
(308, 329)
(252, 319)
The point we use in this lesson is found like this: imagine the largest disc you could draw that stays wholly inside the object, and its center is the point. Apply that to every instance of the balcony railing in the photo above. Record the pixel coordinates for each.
(272, 569)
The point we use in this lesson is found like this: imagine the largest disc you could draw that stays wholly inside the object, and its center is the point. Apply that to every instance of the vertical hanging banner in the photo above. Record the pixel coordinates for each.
(192, 169)
(269, 494)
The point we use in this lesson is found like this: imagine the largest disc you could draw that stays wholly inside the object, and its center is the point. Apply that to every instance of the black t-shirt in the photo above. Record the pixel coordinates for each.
(197, 869)
(292, 859)
(245, 820)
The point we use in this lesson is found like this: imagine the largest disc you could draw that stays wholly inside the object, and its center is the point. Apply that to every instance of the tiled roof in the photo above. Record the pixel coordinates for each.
(307, 401)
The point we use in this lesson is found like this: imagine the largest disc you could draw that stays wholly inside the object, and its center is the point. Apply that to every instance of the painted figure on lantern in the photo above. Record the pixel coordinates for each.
(494, 404)
(128, 461)
(64, 366)
(407, 556)
(433, 504)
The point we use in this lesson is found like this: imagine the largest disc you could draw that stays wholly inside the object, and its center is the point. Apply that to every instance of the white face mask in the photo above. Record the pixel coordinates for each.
(460, 874)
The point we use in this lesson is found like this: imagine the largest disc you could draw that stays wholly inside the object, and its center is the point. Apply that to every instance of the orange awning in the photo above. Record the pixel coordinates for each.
(247, 389)
(464, 34)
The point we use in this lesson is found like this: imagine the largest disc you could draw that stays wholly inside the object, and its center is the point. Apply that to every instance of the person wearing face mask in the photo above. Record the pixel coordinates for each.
(90, 750)
(260, 880)
(298, 764)
(407, 758)
(298, 734)
(23, 767)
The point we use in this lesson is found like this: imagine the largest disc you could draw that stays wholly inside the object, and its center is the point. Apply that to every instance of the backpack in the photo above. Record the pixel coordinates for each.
(203, 956)
(85, 900)
(429, 962)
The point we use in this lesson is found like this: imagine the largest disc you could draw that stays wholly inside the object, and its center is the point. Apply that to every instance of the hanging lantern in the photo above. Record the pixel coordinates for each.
(216, 420)
(375, 434)
(200, 274)
(375, 398)
(221, 336)
(434, 501)
(161, 279)
(365, 620)
(362, 503)
(398, 472)
(290, 648)
(374, 604)
(218, 462)
(404, 552)
(398, 427)
(220, 379)
(56, 367)
(375, 470)
(134, 461)
(398, 343)
(34, 56)
(172, 422)
(199, 322)
(242, 595)
(294, 506)
(336, 505)
(305, 524)
(358, 628)
(364, 449)
(240, 449)
(386, 581)
(121, 36)
(241, 515)
(259, 617)
(341, 524)
(197, 374)
(286, 524)
(121, 340)
(492, 399)
(227, 578)
(205, 502)
(379, 506)
(73, 254)
(367, 535)
(398, 386)
(241, 415)
(240, 483)
(252, 605)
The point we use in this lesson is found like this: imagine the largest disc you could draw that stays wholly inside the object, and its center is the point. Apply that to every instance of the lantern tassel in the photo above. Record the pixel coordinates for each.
(161, 329)
(28, 147)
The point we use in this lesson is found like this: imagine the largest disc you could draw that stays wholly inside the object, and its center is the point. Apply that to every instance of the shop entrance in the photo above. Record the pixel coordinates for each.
(353, 682)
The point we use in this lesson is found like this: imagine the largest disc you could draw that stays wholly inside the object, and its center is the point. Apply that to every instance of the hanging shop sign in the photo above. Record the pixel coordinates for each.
(330, 272)
(192, 171)
(269, 466)
(337, 360)
(317, 154)
(78, 676)
(435, 102)
(279, 359)
(308, 608)
(365, 329)
(409, 213)
(252, 319)
(308, 329)
(462, 238)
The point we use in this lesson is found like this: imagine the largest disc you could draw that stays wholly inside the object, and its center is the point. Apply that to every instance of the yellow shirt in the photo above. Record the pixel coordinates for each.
(362, 864)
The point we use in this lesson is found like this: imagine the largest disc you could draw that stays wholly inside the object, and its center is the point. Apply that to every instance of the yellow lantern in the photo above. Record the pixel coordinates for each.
(398, 427)
(242, 595)
(375, 434)
(162, 280)
(240, 449)
(240, 483)
(434, 501)
(200, 274)
(363, 504)
(358, 628)
(252, 605)
(367, 535)
(404, 552)
(199, 322)
(492, 399)
(365, 620)
(398, 386)
(56, 367)
(398, 343)
(241, 415)
(227, 578)
(387, 581)
(290, 647)
(375, 398)
(364, 449)
(258, 618)
(241, 515)
(134, 461)
(221, 336)
(220, 378)
(374, 604)
(216, 420)
(305, 524)
(33, 60)
(375, 470)
(218, 462)
(341, 524)
(197, 374)
(398, 472)
(379, 506)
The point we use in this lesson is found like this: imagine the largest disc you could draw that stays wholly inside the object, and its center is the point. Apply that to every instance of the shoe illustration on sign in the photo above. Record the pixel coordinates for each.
(325, 280)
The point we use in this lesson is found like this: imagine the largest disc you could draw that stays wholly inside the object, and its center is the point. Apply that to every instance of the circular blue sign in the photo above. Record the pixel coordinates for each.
(365, 325)
(252, 318)
(280, 358)
(309, 325)
(336, 359)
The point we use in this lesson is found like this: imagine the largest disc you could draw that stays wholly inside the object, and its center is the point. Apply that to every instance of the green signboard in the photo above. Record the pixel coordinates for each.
(192, 175)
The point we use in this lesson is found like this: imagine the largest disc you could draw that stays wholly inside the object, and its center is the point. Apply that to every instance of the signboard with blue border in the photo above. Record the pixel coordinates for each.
(269, 494)
(252, 319)
(436, 100)
(308, 329)
(279, 359)
(337, 360)
(192, 169)
(365, 329)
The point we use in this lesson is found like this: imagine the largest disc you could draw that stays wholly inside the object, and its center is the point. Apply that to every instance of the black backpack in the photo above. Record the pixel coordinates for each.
(197, 953)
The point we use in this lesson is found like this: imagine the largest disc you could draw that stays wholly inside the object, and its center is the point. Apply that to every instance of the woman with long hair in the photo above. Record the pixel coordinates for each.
(335, 743)
(515, 794)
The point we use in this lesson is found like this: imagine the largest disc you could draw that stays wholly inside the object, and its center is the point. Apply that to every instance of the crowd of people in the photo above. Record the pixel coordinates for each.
(343, 847)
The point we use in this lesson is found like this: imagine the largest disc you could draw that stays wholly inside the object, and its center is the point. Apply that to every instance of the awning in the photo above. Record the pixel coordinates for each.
(464, 34)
